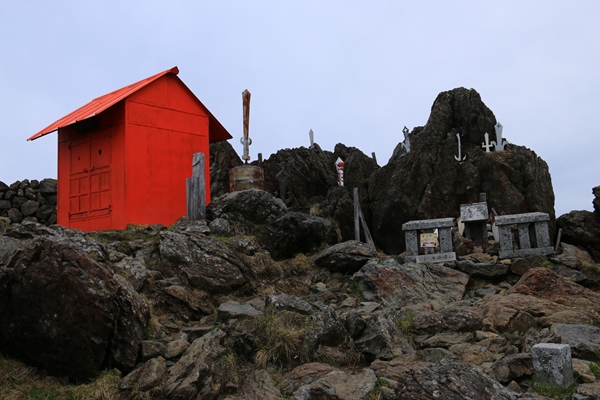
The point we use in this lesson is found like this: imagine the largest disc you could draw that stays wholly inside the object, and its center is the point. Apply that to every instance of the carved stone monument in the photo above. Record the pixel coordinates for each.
(532, 236)
(475, 217)
(416, 252)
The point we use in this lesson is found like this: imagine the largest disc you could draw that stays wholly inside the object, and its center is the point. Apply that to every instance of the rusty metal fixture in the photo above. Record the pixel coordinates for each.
(246, 177)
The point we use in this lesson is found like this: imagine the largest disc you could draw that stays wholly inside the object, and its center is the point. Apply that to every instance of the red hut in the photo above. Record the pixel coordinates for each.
(124, 157)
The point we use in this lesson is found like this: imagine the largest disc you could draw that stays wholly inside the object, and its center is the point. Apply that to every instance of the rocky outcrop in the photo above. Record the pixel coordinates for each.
(582, 228)
(282, 232)
(222, 158)
(205, 262)
(29, 201)
(66, 313)
(311, 172)
(429, 182)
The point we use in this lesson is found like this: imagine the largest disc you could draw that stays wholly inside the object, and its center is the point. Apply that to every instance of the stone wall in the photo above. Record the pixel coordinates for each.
(29, 201)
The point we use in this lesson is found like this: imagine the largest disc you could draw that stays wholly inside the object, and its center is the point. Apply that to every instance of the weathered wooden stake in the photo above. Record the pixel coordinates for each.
(195, 190)
(359, 218)
(374, 157)
(557, 244)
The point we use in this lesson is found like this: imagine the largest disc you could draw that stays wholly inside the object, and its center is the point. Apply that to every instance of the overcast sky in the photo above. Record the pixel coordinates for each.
(355, 72)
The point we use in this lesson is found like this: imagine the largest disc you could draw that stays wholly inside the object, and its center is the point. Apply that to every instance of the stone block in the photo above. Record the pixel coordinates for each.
(521, 218)
(552, 364)
(474, 212)
(428, 224)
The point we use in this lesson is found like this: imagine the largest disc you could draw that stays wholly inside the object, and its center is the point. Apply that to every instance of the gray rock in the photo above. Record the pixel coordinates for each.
(5, 205)
(338, 385)
(569, 273)
(345, 257)
(398, 285)
(219, 226)
(247, 206)
(29, 207)
(436, 354)
(484, 270)
(257, 385)
(283, 301)
(204, 261)
(382, 339)
(152, 373)
(67, 313)
(233, 309)
(512, 367)
(48, 187)
(15, 215)
(175, 348)
(192, 377)
(584, 340)
(151, 349)
(134, 270)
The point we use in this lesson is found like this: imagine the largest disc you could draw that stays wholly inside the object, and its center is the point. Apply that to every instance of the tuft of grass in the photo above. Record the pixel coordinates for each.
(406, 324)
(595, 369)
(19, 381)
(376, 393)
(554, 392)
(282, 335)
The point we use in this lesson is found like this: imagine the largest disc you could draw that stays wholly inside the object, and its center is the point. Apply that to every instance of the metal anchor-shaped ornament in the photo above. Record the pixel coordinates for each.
(460, 157)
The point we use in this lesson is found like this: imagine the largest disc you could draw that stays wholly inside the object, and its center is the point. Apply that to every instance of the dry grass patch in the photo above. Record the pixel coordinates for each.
(19, 381)
(281, 335)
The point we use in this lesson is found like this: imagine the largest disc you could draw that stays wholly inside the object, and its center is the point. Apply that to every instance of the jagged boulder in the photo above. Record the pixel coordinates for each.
(205, 262)
(345, 257)
(311, 173)
(448, 379)
(428, 182)
(66, 313)
(582, 228)
(400, 285)
(222, 158)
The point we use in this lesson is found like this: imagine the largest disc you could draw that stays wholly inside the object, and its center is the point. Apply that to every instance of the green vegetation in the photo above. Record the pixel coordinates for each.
(595, 369)
(554, 392)
(405, 324)
(376, 393)
(18, 381)
(281, 334)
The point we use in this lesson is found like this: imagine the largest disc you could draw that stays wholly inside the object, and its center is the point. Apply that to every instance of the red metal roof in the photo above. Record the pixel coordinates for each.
(99, 104)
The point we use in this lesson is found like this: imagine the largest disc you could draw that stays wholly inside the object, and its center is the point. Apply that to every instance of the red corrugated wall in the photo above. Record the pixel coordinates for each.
(133, 167)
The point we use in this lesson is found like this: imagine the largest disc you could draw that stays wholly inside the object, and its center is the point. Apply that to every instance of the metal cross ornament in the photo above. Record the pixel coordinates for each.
(501, 141)
(486, 145)
(245, 140)
(459, 157)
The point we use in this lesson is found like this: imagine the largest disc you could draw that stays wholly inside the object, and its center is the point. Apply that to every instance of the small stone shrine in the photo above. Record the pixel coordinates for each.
(415, 249)
(532, 237)
(475, 217)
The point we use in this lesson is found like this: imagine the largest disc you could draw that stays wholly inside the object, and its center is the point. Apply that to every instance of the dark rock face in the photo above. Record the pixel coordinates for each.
(311, 173)
(429, 182)
(282, 232)
(222, 158)
(581, 228)
(68, 314)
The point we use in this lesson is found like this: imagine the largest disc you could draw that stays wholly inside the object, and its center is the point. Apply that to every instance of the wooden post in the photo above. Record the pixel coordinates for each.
(359, 219)
(374, 157)
(356, 217)
(195, 190)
